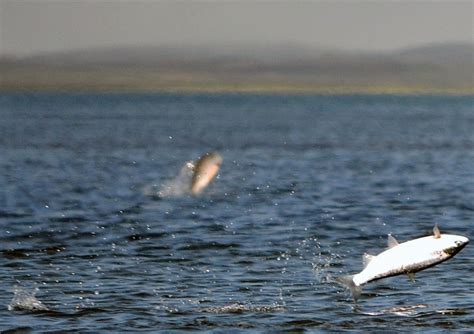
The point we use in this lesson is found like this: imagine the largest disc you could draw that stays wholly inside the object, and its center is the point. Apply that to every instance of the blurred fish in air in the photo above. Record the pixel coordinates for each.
(204, 171)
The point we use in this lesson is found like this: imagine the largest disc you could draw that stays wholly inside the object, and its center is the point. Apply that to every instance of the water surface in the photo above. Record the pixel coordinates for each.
(308, 184)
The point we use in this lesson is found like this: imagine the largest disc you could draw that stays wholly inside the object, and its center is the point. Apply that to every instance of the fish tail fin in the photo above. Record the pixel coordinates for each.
(348, 282)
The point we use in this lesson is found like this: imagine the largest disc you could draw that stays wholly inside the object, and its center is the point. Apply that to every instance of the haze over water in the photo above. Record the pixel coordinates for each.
(308, 184)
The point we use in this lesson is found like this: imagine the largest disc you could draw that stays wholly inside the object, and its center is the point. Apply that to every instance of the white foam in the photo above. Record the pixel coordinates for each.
(24, 299)
(178, 186)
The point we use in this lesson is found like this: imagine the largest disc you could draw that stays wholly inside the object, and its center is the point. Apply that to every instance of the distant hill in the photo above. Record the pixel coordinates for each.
(452, 53)
(440, 67)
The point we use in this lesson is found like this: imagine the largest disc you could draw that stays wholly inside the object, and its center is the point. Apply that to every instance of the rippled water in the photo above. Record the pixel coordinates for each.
(308, 184)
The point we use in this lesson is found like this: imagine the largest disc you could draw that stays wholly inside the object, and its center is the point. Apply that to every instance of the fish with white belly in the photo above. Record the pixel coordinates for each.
(406, 258)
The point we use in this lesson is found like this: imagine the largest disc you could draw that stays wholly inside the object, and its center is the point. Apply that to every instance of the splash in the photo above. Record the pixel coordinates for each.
(322, 259)
(402, 311)
(244, 308)
(25, 300)
(176, 187)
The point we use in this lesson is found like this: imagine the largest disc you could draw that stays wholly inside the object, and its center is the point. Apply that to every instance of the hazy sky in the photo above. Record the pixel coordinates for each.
(28, 27)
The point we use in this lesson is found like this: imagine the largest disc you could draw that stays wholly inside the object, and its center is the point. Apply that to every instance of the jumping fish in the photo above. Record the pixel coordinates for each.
(204, 171)
(405, 258)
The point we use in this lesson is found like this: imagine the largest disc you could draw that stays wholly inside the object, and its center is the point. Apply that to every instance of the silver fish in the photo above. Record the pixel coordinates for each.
(405, 258)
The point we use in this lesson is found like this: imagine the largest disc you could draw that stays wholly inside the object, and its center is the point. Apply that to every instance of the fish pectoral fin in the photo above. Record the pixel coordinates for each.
(436, 232)
(366, 258)
(411, 276)
(391, 241)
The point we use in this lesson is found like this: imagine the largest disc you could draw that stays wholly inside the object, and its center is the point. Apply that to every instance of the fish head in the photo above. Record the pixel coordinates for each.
(452, 244)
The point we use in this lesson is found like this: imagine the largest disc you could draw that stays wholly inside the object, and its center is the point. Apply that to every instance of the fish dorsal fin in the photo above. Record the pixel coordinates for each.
(436, 232)
(366, 258)
(391, 241)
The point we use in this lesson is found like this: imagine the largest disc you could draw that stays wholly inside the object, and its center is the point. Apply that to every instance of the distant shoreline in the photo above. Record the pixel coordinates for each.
(235, 88)
(143, 80)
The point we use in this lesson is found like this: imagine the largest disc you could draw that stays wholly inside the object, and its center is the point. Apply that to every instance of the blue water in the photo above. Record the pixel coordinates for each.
(308, 184)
